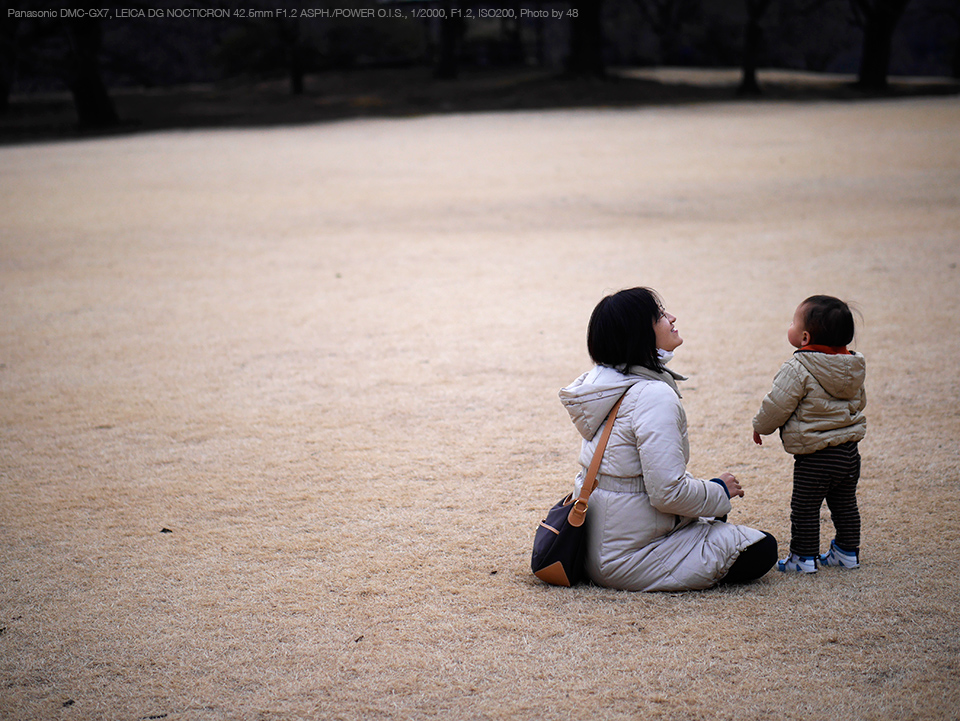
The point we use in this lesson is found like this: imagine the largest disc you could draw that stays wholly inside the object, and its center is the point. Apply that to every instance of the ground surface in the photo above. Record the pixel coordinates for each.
(279, 412)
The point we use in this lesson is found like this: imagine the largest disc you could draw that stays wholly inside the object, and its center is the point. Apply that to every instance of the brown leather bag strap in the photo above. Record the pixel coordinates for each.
(578, 513)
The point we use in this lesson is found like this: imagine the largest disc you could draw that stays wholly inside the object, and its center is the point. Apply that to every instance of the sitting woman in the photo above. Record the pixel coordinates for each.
(651, 526)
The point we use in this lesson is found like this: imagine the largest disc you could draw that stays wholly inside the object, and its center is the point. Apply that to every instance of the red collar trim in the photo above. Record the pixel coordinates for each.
(828, 349)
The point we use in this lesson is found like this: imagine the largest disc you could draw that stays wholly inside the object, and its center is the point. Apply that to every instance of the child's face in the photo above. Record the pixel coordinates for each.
(668, 338)
(797, 332)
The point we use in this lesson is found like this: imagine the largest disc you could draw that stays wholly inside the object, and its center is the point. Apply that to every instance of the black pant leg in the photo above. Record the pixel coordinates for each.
(753, 561)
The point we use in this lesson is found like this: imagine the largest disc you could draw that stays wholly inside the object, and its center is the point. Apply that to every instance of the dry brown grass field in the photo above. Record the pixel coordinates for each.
(279, 412)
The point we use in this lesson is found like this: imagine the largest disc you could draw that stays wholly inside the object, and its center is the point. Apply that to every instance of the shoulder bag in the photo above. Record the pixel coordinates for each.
(559, 543)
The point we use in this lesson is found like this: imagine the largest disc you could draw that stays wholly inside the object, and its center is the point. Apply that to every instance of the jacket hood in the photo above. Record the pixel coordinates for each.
(589, 399)
(841, 376)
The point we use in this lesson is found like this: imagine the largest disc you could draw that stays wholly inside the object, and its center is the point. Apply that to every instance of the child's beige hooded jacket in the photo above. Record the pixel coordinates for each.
(817, 400)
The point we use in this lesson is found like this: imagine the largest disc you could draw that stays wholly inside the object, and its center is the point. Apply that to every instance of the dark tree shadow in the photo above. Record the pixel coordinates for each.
(407, 92)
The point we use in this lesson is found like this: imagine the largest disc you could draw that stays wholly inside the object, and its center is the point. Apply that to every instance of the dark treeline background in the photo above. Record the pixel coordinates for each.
(870, 39)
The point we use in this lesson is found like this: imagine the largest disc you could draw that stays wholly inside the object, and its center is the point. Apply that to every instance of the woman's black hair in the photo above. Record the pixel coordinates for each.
(621, 330)
(828, 320)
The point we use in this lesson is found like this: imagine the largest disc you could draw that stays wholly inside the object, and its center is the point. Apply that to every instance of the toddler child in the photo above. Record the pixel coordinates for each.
(817, 403)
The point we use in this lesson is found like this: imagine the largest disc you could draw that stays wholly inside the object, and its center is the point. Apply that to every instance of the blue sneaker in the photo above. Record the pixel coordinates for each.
(836, 556)
(798, 564)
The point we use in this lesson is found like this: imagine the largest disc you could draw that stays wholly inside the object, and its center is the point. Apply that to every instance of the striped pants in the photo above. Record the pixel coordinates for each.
(829, 474)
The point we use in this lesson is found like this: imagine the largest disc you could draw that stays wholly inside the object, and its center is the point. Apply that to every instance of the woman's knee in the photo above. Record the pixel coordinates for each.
(754, 561)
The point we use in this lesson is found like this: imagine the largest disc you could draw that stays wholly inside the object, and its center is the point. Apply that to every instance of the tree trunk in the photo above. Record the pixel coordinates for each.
(875, 58)
(956, 59)
(296, 72)
(8, 59)
(669, 47)
(586, 39)
(289, 32)
(541, 55)
(881, 21)
(6, 85)
(448, 61)
(514, 36)
(666, 19)
(751, 45)
(94, 107)
(752, 37)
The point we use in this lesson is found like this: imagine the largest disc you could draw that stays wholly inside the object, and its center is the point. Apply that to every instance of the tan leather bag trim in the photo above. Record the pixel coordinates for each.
(553, 574)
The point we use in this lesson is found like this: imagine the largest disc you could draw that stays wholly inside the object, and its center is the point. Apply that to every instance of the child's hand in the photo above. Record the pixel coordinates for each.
(757, 439)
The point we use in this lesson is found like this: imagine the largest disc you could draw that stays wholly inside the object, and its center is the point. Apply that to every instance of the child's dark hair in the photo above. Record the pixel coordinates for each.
(621, 333)
(828, 320)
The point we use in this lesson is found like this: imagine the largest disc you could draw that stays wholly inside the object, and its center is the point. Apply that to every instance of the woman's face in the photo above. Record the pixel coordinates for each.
(667, 337)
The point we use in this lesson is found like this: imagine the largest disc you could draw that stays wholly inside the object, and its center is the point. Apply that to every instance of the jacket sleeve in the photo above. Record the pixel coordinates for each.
(659, 426)
(782, 400)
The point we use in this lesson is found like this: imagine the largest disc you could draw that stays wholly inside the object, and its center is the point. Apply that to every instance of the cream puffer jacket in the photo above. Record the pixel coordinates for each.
(650, 525)
(817, 400)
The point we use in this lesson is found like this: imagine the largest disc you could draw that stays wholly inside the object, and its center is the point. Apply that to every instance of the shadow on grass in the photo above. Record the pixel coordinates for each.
(410, 92)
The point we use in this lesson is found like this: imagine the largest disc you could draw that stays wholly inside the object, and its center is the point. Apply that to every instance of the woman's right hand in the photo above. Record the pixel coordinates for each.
(732, 484)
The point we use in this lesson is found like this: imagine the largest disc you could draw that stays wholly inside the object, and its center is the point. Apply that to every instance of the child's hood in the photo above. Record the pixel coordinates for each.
(841, 375)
